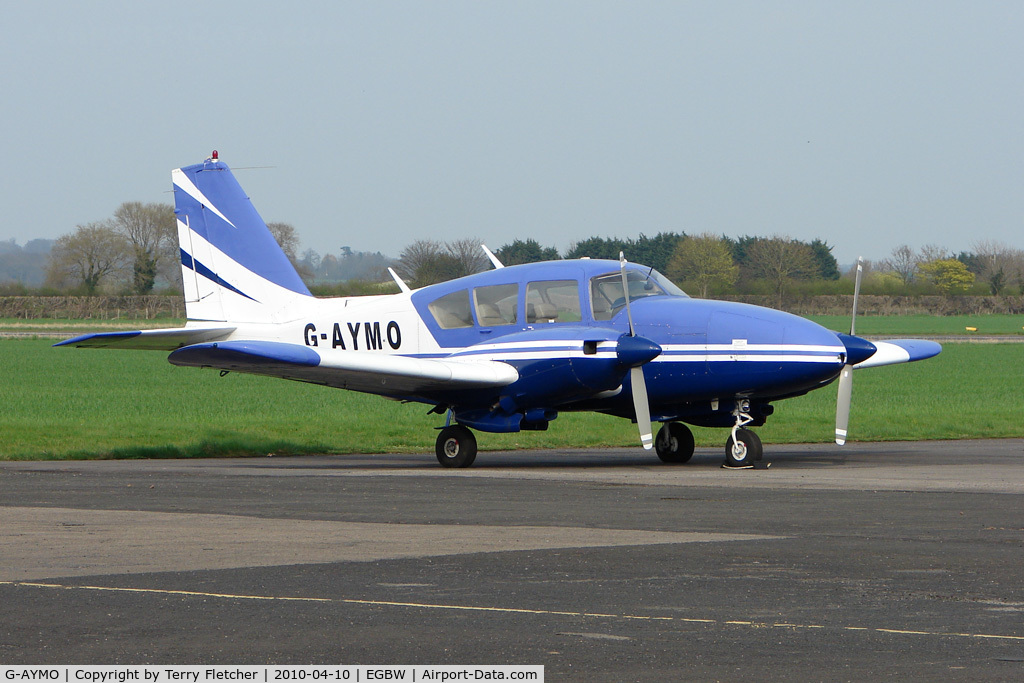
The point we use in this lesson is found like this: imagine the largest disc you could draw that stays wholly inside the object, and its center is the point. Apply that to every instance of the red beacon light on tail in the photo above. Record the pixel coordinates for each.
(214, 156)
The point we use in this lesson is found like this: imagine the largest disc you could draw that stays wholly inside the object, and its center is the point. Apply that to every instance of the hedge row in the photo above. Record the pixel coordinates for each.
(92, 307)
(155, 306)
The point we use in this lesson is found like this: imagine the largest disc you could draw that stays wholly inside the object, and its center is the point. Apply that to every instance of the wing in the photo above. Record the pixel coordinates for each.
(377, 374)
(152, 340)
(894, 351)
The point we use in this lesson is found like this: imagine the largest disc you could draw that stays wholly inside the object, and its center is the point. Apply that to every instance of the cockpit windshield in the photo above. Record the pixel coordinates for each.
(606, 296)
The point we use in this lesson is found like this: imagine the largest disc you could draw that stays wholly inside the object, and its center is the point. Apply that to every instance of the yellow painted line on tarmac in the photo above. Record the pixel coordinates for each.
(466, 608)
(906, 633)
(160, 591)
(501, 610)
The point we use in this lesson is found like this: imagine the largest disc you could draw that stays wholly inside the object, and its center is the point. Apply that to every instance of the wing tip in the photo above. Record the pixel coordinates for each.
(100, 338)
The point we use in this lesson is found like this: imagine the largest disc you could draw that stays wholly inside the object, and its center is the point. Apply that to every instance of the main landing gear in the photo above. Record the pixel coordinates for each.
(674, 444)
(456, 446)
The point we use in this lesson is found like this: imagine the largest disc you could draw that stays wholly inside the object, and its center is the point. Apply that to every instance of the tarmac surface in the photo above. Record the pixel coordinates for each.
(862, 562)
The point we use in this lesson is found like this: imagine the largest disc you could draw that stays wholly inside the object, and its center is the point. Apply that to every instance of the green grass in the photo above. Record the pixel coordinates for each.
(95, 403)
(911, 325)
(98, 324)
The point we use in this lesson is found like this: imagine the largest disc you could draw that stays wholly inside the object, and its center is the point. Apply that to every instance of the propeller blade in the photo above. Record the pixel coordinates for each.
(843, 403)
(856, 293)
(625, 292)
(636, 374)
(640, 405)
(856, 349)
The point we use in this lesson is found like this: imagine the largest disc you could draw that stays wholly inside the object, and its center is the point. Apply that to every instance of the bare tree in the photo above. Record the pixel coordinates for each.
(311, 258)
(903, 262)
(287, 237)
(933, 252)
(415, 256)
(88, 257)
(1000, 264)
(780, 260)
(150, 230)
(469, 254)
(425, 262)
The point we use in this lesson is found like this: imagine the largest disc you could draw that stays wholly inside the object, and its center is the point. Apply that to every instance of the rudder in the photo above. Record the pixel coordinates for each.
(232, 267)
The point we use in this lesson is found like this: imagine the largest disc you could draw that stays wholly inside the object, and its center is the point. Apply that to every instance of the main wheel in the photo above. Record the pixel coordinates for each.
(674, 443)
(456, 447)
(744, 451)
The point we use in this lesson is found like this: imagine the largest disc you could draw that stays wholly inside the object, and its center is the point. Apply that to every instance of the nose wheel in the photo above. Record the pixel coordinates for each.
(743, 449)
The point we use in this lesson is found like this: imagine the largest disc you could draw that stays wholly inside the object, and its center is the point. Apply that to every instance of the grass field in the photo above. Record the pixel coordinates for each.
(94, 403)
(99, 325)
(916, 325)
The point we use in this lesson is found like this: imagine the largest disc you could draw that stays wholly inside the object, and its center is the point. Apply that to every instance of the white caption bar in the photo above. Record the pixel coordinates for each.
(269, 674)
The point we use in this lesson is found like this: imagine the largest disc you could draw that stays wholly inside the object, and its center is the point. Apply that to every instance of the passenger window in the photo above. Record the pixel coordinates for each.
(452, 310)
(553, 301)
(496, 305)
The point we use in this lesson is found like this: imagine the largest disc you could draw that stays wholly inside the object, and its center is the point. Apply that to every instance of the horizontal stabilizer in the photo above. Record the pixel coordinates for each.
(151, 340)
(377, 373)
(893, 351)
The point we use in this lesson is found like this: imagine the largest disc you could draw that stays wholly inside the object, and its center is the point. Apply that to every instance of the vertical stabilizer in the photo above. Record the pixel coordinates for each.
(232, 267)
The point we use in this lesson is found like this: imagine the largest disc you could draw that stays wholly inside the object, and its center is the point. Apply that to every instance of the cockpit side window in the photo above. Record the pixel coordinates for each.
(606, 297)
(551, 301)
(496, 305)
(451, 311)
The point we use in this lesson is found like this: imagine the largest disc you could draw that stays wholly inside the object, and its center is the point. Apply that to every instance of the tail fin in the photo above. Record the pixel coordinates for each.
(232, 267)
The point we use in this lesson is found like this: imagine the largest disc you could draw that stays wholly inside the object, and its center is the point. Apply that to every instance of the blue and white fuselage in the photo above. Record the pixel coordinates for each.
(502, 350)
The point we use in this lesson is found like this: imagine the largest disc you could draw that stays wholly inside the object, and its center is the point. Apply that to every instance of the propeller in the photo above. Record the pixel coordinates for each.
(636, 351)
(846, 377)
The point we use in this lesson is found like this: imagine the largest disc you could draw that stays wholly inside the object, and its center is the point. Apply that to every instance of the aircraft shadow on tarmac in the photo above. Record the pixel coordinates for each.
(814, 456)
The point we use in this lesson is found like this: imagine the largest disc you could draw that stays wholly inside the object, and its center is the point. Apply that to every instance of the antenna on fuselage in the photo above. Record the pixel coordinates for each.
(490, 255)
(399, 281)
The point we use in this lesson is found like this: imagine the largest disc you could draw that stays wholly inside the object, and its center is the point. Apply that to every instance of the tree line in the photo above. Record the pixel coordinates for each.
(136, 252)
(712, 265)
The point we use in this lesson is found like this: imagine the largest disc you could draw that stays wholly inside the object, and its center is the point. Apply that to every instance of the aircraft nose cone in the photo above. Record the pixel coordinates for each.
(635, 351)
(857, 349)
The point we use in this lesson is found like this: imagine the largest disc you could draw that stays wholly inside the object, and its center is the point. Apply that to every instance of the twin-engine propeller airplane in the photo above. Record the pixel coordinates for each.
(500, 351)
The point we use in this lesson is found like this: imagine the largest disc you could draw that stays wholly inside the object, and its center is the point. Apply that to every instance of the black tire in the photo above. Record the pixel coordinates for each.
(456, 447)
(674, 443)
(748, 452)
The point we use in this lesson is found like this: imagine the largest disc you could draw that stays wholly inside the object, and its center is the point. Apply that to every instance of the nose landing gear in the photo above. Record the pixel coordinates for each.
(743, 447)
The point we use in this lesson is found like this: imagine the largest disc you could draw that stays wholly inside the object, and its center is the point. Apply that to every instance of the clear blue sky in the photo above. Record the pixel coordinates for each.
(867, 124)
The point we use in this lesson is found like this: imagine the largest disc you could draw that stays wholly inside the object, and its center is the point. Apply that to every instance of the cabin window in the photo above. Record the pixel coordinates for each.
(496, 305)
(451, 311)
(553, 301)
